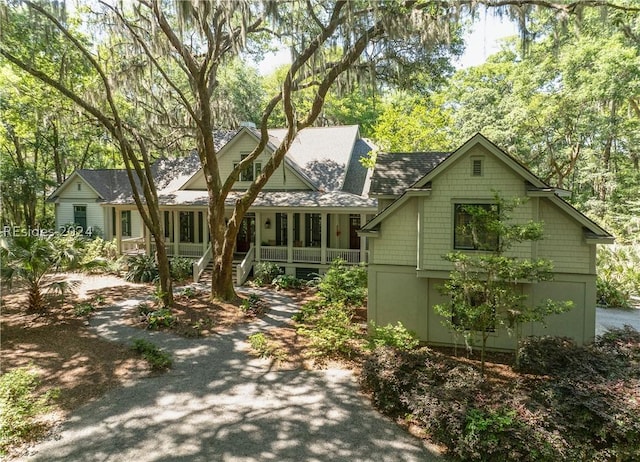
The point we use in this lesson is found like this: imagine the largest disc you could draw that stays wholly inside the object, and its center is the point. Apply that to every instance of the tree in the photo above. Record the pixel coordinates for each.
(28, 259)
(182, 47)
(484, 288)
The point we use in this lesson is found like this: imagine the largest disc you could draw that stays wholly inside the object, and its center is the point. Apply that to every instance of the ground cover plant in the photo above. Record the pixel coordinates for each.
(158, 359)
(564, 403)
(21, 407)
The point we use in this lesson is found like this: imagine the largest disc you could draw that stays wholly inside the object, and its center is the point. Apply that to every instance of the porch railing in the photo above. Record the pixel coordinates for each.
(133, 245)
(349, 255)
(189, 250)
(244, 267)
(200, 265)
(307, 254)
(311, 254)
(273, 253)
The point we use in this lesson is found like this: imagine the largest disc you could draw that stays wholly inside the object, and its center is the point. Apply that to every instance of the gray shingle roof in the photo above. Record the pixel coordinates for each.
(396, 171)
(322, 156)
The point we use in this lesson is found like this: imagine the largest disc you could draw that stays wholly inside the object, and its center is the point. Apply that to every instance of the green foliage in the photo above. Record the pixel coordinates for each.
(181, 268)
(308, 311)
(483, 288)
(20, 407)
(287, 281)
(158, 360)
(581, 407)
(252, 305)
(344, 283)
(265, 348)
(162, 317)
(394, 336)
(618, 274)
(28, 259)
(189, 292)
(265, 272)
(142, 268)
(332, 333)
(83, 309)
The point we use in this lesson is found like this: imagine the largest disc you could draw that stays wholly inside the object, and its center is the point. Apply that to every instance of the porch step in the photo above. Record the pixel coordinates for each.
(205, 278)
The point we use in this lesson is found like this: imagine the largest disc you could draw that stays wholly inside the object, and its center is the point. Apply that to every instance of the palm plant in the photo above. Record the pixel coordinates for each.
(28, 259)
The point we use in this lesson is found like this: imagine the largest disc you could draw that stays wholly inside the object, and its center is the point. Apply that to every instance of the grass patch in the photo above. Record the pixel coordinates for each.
(264, 348)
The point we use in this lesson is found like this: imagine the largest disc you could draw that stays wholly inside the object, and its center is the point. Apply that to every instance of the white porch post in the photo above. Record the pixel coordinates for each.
(205, 231)
(258, 234)
(363, 239)
(176, 233)
(118, 230)
(323, 238)
(289, 237)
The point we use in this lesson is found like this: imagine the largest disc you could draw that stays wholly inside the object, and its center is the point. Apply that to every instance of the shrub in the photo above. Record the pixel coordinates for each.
(20, 407)
(142, 268)
(252, 305)
(265, 273)
(307, 311)
(160, 318)
(264, 348)
(157, 359)
(394, 336)
(332, 332)
(286, 281)
(618, 274)
(344, 284)
(181, 268)
(83, 309)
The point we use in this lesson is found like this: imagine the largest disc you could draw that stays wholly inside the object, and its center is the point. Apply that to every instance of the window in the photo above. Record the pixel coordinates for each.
(472, 227)
(478, 315)
(187, 227)
(476, 167)
(251, 172)
(281, 229)
(125, 220)
(80, 216)
(313, 231)
(79, 186)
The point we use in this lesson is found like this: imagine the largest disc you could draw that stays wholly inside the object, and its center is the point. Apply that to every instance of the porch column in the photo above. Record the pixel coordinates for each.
(363, 239)
(176, 233)
(290, 237)
(118, 230)
(323, 238)
(205, 231)
(258, 235)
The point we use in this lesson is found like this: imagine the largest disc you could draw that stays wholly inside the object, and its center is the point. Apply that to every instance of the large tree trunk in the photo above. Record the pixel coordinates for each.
(166, 284)
(223, 237)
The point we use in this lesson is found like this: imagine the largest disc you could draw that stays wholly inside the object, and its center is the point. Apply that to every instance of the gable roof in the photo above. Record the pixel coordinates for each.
(324, 158)
(397, 171)
(434, 168)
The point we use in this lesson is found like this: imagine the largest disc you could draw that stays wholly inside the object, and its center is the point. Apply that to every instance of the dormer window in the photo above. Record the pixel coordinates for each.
(476, 167)
(251, 172)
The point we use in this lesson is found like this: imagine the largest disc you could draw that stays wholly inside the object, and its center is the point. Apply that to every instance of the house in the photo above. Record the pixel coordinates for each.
(306, 216)
(420, 198)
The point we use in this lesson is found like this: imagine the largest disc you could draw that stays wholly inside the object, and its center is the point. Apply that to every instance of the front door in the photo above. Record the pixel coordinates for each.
(354, 225)
(246, 234)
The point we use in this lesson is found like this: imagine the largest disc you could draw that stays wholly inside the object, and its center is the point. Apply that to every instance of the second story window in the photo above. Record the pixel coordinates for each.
(251, 172)
(472, 227)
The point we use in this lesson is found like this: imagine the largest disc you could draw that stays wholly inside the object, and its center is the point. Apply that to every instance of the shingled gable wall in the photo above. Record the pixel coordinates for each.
(407, 268)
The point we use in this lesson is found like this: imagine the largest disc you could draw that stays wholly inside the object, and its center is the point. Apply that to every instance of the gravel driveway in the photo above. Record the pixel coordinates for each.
(219, 404)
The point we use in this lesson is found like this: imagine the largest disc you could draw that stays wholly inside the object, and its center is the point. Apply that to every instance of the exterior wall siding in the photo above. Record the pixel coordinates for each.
(64, 213)
(397, 292)
(564, 243)
(397, 243)
(283, 178)
(457, 185)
